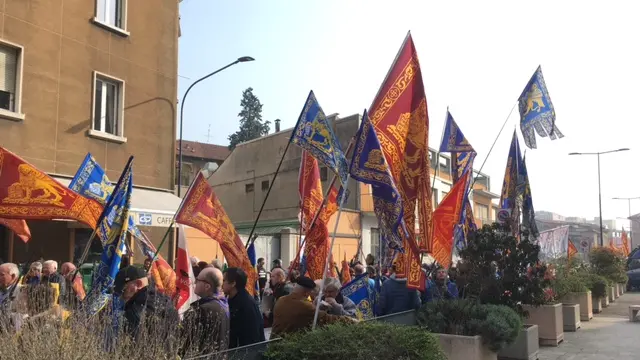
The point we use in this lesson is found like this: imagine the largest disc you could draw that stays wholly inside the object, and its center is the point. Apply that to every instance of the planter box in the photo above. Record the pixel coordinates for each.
(571, 317)
(597, 305)
(525, 347)
(458, 347)
(585, 302)
(549, 321)
(605, 301)
(611, 294)
(623, 288)
(616, 292)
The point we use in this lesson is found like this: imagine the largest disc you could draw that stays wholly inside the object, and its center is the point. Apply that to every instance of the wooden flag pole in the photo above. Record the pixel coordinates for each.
(326, 262)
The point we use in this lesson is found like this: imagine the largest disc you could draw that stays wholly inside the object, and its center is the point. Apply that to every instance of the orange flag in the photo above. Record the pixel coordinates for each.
(28, 193)
(445, 218)
(399, 114)
(317, 243)
(202, 210)
(346, 274)
(572, 250)
(625, 243)
(19, 227)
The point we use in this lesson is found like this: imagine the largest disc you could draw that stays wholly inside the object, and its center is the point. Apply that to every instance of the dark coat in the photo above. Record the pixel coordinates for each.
(395, 297)
(246, 321)
(153, 310)
(205, 328)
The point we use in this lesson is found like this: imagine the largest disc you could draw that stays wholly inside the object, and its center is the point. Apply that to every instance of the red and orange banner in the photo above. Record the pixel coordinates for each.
(445, 219)
(163, 276)
(202, 210)
(571, 250)
(399, 114)
(625, 243)
(19, 227)
(346, 274)
(316, 248)
(28, 193)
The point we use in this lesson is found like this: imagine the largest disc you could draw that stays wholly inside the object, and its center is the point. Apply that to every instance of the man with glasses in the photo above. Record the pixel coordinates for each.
(206, 324)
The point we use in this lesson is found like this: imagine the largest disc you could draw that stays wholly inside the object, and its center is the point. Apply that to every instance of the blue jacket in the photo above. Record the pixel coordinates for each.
(432, 292)
(395, 297)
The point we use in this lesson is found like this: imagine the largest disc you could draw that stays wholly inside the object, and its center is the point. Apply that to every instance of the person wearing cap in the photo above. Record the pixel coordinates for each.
(247, 326)
(295, 312)
(143, 302)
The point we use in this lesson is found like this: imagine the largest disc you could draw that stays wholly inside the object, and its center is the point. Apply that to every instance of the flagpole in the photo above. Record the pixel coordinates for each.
(437, 159)
(326, 262)
(490, 149)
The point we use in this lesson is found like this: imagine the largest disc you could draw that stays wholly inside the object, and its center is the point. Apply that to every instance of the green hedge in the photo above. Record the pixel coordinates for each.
(596, 283)
(498, 325)
(362, 341)
(568, 282)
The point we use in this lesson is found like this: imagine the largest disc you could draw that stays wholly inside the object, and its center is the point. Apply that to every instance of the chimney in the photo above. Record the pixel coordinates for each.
(277, 122)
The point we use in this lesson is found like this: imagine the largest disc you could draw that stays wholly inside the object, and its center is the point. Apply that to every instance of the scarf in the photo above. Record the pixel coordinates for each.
(220, 299)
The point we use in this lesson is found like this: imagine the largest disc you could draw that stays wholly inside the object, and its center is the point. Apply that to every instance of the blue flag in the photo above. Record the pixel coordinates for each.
(359, 292)
(369, 166)
(91, 181)
(537, 112)
(314, 134)
(112, 229)
(462, 157)
(528, 213)
(509, 196)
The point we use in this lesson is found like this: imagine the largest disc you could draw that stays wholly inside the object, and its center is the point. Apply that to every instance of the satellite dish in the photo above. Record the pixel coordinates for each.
(208, 169)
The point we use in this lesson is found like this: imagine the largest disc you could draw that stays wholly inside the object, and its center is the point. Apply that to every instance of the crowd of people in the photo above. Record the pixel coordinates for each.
(225, 315)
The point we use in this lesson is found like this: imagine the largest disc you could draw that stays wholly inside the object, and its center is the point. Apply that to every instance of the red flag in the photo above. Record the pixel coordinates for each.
(572, 250)
(316, 248)
(19, 227)
(625, 243)
(202, 210)
(78, 287)
(185, 279)
(445, 218)
(346, 274)
(163, 276)
(399, 114)
(28, 193)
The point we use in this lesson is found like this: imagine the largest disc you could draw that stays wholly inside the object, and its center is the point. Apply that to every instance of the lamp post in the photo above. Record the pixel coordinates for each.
(184, 97)
(629, 202)
(599, 186)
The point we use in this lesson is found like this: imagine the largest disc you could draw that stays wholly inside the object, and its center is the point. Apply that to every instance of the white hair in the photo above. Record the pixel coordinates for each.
(36, 265)
(332, 282)
(51, 263)
(13, 269)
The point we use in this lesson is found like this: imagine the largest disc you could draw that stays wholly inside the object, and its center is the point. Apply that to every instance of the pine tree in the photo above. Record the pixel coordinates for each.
(251, 124)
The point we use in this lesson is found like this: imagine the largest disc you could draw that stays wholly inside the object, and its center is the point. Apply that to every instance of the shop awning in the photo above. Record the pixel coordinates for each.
(266, 227)
(149, 207)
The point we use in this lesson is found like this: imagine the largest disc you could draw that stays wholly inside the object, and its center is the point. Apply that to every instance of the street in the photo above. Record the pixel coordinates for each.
(609, 335)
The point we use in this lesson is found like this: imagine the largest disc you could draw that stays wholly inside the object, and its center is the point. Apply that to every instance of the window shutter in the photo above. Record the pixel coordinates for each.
(8, 68)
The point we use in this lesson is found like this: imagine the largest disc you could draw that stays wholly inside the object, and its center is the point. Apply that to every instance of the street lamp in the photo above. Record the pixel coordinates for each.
(239, 60)
(599, 187)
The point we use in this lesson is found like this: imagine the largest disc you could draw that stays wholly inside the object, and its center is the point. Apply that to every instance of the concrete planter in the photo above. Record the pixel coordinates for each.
(597, 305)
(458, 347)
(571, 317)
(584, 300)
(616, 292)
(611, 293)
(525, 347)
(622, 288)
(549, 321)
(605, 301)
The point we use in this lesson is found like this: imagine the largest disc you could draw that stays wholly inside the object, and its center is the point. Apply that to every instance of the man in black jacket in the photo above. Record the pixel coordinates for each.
(145, 311)
(205, 327)
(246, 321)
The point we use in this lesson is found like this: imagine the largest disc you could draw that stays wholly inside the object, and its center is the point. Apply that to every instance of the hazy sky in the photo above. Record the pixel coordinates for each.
(476, 57)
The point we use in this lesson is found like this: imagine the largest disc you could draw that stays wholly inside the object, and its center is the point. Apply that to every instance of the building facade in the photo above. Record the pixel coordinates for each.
(196, 157)
(97, 76)
(243, 181)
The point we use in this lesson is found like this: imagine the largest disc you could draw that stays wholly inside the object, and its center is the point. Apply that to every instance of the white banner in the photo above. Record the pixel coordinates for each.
(554, 243)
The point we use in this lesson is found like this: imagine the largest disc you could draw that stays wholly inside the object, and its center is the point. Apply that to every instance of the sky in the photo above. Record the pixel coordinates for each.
(476, 57)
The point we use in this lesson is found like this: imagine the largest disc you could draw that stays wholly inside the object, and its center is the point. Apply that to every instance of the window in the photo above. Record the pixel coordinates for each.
(482, 213)
(10, 81)
(375, 242)
(108, 111)
(112, 15)
(324, 174)
(186, 174)
(265, 185)
(248, 188)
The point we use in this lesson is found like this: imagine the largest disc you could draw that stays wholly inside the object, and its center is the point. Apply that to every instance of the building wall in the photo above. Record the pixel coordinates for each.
(61, 50)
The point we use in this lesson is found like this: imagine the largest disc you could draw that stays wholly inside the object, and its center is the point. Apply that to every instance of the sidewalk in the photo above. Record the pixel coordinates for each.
(609, 335)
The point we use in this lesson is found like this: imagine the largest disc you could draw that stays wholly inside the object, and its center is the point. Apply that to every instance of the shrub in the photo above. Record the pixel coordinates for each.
(498, 325)
(363, 341)
(596, 283)
(567, 282)
(609, 264)
(497, 269)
